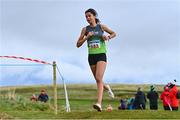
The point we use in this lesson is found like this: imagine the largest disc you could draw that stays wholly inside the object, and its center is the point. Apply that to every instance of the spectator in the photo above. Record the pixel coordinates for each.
(153, 98)
(165, 98)
(172, 95)
(43, 97)
(33, 98)
(122, 105)
(140, 99)
(130, 103)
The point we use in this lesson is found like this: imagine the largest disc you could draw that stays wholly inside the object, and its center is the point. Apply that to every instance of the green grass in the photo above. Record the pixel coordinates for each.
(81, 97)
(96, 115)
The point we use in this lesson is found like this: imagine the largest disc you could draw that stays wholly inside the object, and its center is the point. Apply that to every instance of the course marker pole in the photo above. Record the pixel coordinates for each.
(55, 87)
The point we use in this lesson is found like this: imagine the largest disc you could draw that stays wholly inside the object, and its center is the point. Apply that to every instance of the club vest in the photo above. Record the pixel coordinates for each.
(95, 43)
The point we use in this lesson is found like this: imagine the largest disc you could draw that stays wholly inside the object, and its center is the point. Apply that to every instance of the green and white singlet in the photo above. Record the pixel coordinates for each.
(96, 44)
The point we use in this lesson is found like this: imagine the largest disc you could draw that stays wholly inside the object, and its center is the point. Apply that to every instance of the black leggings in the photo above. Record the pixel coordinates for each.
(153, 107)
(166, 108)
(173, 108)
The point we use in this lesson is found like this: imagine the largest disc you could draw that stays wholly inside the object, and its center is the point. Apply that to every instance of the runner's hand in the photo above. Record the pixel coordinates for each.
(105, 38)
(90, 34)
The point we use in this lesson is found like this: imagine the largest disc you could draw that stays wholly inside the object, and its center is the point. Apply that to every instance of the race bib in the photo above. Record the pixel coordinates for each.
(94, 44)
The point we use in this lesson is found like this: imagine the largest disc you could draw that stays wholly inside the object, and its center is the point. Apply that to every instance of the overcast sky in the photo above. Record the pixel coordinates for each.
(146, 49)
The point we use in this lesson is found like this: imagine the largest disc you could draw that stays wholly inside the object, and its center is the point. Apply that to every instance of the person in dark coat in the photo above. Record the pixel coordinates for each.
(153, 98)
(43, 97)
(140, 100)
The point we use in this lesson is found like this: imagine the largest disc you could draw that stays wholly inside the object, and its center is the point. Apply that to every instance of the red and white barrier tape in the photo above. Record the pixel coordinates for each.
(29, 59)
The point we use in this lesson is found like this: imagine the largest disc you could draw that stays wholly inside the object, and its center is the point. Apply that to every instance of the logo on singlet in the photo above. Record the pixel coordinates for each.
(96, 33)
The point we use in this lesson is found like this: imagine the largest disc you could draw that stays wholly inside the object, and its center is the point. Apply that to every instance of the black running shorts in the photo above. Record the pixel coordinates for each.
(94, 58)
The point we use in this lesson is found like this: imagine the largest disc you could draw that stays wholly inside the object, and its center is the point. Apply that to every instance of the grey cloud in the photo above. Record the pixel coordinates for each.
(146, 48)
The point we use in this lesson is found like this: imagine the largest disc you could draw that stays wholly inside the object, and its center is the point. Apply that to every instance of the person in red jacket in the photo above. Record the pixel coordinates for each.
(165, 98)
(172, 94)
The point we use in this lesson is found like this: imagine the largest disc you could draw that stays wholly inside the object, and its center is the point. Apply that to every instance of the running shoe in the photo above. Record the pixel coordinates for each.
(97, 107)
(111, 94)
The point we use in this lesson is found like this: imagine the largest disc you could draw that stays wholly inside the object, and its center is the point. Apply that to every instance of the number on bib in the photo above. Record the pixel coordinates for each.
(94, 44)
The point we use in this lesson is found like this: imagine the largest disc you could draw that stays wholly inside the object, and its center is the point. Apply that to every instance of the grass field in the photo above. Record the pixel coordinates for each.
(15, 103)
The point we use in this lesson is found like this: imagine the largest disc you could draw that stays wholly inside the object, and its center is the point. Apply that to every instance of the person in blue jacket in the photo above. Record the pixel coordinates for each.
(43, 97)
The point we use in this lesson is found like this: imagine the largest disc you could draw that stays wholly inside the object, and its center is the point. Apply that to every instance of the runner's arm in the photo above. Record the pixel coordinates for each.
(82, 38)
(112, 34)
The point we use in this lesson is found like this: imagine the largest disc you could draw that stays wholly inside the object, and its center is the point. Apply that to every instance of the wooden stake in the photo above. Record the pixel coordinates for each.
(55, 87)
